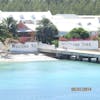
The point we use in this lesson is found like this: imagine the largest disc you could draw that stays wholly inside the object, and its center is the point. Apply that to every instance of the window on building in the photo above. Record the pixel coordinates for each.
(79, 24)
(99, 19)
(28, 22)
(33, 17)
(10, 15)
(43, 16)
(89, 23)
(21, 17)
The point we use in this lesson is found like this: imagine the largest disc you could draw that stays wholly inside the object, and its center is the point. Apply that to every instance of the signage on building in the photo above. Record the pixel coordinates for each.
(82, 45)
(26, 47)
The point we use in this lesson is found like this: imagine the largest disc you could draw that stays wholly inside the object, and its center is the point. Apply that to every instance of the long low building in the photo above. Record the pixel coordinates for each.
(66, 22)
(63, 22)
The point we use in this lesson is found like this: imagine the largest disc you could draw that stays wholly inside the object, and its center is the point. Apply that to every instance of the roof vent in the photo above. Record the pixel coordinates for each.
(21, 17)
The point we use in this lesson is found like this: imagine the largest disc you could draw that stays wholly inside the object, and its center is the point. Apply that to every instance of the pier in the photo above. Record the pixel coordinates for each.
(81, 55)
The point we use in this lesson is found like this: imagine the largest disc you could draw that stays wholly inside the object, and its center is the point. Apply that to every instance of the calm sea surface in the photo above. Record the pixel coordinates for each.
(50, 80)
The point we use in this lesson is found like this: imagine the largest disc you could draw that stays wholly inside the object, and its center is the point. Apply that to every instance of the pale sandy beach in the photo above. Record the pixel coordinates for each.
(25, 57)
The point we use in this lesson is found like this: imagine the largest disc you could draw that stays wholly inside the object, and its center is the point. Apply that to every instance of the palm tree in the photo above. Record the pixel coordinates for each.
(46, 31)
(7, 31)
(4, 33)
(11, 25)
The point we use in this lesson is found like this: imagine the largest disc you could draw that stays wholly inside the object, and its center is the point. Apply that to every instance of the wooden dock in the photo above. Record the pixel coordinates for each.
(90, 55)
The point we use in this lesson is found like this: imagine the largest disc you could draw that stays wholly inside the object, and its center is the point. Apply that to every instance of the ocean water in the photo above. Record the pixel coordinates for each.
(49, 80)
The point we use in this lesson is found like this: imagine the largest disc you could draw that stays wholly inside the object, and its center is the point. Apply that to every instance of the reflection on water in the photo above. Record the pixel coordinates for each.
(50, 80)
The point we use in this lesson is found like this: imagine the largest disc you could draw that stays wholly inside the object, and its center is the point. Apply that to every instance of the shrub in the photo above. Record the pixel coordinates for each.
(55, 42)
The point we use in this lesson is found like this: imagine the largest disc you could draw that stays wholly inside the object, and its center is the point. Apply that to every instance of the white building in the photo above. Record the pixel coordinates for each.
(66, 23)
(63, 22)
(30, 19)
(23, 16)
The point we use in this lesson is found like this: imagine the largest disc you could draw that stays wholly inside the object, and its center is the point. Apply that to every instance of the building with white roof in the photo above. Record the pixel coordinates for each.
(29, 19)
(20, 16)
(63, 22)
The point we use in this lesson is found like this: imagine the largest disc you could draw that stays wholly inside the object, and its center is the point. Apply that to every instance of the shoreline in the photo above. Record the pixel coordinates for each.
(77, 55)
(26, 57)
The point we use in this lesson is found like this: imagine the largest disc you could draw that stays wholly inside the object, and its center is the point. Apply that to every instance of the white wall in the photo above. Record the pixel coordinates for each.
(27, 47)
(82, 45)
(46, 46)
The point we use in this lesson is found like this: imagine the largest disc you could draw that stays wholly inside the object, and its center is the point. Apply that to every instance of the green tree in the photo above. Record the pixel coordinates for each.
(83, 33)
(77, 33)
(46, 31)
(8, 30)
(4, 34)
(55, 42)
(55, 6)
(10, 25)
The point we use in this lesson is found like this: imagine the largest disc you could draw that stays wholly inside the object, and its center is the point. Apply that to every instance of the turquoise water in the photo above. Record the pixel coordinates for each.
(49, 80)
